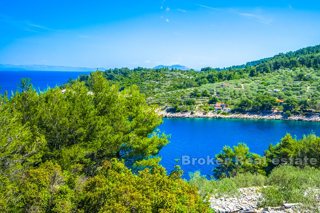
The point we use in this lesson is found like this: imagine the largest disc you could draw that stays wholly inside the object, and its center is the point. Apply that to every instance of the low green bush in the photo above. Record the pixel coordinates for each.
(223, 187)
(272, 197)
(291, 185)
(249, 180)
(205, 186)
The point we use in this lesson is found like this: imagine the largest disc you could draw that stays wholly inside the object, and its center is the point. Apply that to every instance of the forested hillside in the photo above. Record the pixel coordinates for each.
(287, 83)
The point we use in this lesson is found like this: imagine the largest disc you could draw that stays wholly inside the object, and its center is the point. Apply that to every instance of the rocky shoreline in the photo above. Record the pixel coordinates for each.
(266, 116)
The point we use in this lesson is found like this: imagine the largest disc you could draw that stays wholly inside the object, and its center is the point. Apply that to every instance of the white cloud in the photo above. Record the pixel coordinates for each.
(37, 27)
(260, 18)
(181, 10)
(255, 15)
(25, 25)
(208, 7)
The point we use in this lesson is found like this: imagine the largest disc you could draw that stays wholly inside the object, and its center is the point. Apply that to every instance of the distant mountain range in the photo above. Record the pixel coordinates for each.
(172, 67)
(9, 67)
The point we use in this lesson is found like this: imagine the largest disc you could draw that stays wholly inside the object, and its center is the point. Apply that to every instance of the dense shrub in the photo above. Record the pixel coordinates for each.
(225, 187)
(293, 185)
(238, 160)
(86, 148)
(300, 153)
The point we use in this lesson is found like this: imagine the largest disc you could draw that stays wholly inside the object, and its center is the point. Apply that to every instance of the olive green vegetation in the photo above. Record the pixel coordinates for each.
(226, 186)
(287, 172)
(285, 184)
(287, 83)
(86, 149)
(293, 185)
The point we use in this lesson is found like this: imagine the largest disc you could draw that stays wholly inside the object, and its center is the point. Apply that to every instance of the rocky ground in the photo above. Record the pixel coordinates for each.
(248, 201)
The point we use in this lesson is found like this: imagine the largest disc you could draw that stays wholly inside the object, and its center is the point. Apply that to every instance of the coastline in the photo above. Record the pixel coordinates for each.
(247, 116)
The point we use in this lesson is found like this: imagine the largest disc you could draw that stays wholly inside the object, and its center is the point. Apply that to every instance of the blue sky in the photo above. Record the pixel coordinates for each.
(194, 33)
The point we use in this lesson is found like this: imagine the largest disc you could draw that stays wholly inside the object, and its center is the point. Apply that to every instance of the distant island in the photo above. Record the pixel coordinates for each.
(11, 67)
(172, 67)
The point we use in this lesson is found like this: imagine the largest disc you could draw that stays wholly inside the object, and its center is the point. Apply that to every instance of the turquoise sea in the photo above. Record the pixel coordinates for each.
(10, 80)
(200, 139)
(190, 138)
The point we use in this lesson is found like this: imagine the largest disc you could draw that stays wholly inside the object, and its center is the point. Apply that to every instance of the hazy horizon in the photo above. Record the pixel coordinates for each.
(192, 33)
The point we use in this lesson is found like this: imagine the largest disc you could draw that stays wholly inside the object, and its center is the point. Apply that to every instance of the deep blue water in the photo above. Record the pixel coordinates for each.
(196, 138)
(10, 81)
(199, 138)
